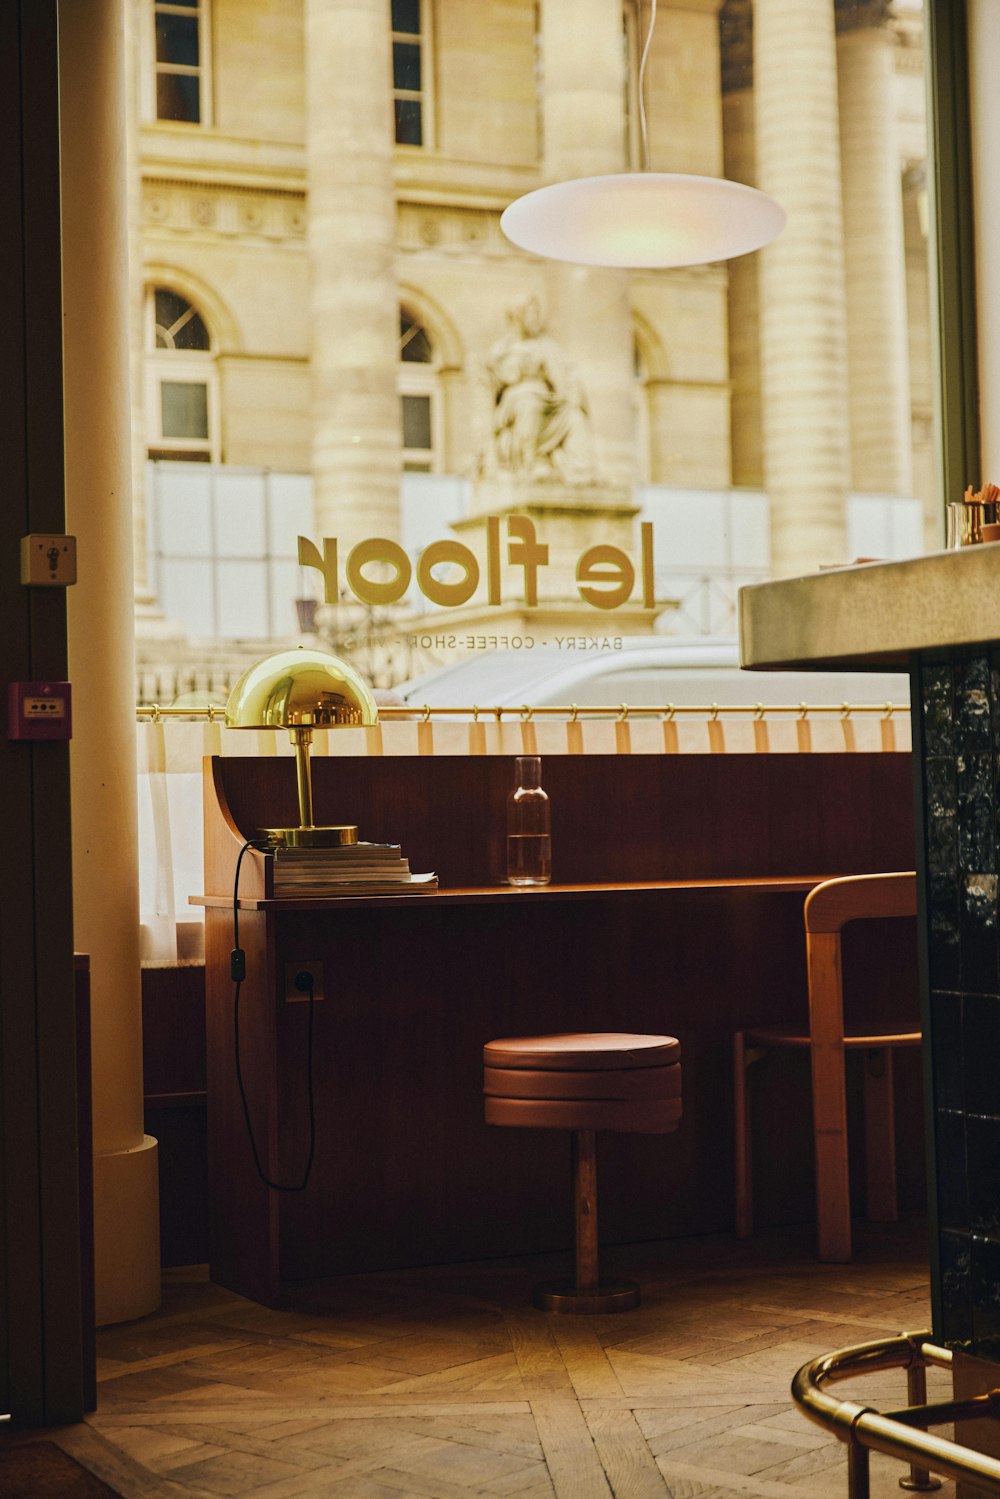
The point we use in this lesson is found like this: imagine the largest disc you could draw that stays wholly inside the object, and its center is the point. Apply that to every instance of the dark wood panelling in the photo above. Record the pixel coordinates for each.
(613, 817)
(173, 1051)
(406, 1172)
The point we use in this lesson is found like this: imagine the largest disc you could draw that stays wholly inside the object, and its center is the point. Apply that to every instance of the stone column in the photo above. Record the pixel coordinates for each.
(803, 331)
(352, 245)
(583, 87)
(136, 301)
(878, 355)
(740, 162)
(101, 646)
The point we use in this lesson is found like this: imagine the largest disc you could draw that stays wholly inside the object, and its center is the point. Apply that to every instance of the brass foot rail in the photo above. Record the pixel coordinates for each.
(892, 1433)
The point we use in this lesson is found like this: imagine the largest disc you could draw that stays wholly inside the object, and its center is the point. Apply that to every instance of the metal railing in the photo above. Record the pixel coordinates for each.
(897, 1434)
(573, 711)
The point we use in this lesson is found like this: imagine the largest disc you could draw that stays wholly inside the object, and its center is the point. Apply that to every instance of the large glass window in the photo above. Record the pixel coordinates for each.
(181, 379)
(409, 83)
(713, 397)
(180, 63)
(418, 395)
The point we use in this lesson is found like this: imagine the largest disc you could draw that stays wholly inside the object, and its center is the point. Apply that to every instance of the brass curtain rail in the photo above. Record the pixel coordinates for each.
(893, 1433)
(572, 711)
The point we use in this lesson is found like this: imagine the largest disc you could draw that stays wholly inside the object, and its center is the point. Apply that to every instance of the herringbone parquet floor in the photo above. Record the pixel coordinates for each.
(444, 1383)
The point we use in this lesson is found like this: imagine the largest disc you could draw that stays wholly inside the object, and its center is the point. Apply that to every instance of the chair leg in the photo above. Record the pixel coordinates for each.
(826, 1030)
(742, 1155)
(833, 1192)
(586, 1292)
(880, 1136)
(584, 1147)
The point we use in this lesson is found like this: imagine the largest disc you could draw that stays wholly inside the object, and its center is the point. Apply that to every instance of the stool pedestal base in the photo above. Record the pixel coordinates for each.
(607, 1296)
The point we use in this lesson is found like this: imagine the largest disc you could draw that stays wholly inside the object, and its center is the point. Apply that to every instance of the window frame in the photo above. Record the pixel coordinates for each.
(151, 72)
(194, 366)
(424, 96)
(422, 378)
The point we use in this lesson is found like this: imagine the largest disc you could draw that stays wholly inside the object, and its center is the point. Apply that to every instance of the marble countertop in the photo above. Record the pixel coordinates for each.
(873, 615)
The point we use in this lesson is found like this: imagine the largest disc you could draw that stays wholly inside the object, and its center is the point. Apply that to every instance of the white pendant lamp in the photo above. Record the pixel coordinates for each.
(643, 219)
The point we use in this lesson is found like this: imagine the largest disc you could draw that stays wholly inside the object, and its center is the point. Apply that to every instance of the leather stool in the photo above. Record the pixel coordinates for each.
(584, 1083)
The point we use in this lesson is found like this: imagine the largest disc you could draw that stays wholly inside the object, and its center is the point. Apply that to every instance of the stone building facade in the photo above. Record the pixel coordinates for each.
(325, 290)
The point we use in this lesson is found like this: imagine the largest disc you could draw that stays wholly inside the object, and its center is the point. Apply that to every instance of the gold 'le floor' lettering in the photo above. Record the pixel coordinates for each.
(605, 575)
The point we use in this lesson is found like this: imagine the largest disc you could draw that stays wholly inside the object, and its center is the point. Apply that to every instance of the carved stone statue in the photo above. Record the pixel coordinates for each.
(540, 427)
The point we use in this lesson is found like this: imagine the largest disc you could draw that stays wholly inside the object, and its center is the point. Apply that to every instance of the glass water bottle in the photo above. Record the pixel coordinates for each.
(529, 840)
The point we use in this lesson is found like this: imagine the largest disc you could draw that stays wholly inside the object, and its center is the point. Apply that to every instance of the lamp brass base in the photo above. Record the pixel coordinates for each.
(341, 836)
(562, 1296)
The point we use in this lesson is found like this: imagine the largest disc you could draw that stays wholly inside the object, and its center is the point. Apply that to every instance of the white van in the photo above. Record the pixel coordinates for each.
(645, 672)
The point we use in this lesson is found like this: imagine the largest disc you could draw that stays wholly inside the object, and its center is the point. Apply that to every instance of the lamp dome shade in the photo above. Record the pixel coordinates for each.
(643, 220)
(301, 688)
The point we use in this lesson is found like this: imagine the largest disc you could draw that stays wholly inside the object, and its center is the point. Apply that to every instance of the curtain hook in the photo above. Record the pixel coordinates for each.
(526, 713)
(758, 712)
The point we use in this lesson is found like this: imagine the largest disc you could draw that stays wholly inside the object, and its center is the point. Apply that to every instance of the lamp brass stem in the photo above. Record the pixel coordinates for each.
(302, 738)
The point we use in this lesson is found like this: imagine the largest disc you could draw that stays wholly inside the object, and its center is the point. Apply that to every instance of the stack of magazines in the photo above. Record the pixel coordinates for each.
(355, 869)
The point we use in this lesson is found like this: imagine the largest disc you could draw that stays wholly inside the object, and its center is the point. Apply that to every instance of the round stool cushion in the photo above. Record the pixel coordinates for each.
(632, 1116)
(631, 1082)
(602, 1051)
(604, 1080)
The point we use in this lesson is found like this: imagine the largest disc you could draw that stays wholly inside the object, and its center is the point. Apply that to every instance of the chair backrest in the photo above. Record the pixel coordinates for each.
(836, 902)
(828, 909)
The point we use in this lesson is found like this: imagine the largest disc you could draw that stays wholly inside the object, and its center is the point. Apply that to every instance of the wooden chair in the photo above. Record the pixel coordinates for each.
(828, 909)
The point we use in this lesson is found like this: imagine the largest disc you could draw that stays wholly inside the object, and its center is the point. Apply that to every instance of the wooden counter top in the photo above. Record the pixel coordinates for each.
(500, 894)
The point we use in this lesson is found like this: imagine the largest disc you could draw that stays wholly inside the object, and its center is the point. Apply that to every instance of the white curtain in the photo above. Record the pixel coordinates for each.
(170, 777)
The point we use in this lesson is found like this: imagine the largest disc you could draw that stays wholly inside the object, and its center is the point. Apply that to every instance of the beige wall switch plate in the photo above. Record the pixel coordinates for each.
(48, 561)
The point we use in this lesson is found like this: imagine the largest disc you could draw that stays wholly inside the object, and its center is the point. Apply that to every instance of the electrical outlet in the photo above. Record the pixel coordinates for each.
(293, 992)
(48, 561)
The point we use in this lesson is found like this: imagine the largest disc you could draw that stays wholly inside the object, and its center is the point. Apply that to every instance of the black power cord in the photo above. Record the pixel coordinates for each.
(303, 982)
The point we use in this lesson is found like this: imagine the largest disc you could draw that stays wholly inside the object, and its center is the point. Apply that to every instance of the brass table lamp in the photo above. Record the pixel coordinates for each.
(302, 690)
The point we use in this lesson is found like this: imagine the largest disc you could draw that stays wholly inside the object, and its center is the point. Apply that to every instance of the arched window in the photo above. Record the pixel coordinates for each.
(181, 393)
(419, 396)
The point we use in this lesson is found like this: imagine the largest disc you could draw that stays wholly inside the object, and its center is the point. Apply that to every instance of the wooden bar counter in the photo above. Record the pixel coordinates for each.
(679, 909)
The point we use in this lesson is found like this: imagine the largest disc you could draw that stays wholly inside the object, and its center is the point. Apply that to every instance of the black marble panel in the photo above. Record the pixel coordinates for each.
(960, 770)
(951, 1171)
(976, 835)
(937, 691)
(972, 711)
(947, 1050)
(983, 1158)
(986, 1296)
(978, 933)
(956, 1288)
(981, 1055)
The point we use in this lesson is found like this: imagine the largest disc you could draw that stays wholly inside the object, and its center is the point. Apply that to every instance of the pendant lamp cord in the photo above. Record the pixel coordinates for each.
(643, 132)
